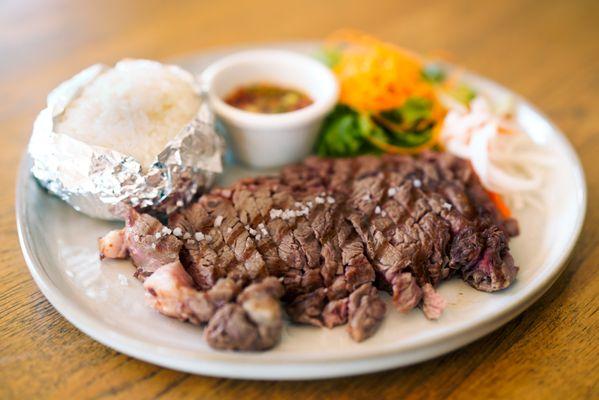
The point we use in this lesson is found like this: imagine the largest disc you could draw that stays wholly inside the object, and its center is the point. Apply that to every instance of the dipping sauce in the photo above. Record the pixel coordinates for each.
(266, 98)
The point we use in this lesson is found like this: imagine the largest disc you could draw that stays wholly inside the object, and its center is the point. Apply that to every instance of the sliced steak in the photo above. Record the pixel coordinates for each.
(321, 237)
(427, 216)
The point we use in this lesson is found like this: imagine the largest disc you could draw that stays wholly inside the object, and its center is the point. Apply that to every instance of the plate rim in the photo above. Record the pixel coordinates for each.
(137, 349)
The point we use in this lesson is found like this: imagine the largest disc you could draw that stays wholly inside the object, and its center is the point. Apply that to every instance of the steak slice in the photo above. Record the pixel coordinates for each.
(205, 262)
(335, 313)
(495, 270)
(365, 312)
(307, 308)
(170, 291)
(432, 304)
(150, 244)
(253, 323)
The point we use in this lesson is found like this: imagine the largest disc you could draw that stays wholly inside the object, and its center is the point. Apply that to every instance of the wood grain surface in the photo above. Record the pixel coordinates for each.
(547, 51)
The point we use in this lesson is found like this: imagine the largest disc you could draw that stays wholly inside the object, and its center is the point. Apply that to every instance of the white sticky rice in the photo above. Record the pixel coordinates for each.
(134, 108)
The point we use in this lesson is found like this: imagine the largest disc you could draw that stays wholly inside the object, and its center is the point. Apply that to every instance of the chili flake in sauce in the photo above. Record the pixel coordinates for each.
(267, 99)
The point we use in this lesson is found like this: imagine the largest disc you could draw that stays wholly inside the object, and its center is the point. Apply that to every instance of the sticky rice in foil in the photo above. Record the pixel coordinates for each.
(135, 135)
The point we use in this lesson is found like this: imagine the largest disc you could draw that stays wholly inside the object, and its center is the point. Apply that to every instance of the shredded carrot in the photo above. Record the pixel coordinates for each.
(500, 204)
(375, 75)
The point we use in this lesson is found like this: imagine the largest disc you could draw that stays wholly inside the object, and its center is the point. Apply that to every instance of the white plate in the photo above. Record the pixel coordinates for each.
(59, 246)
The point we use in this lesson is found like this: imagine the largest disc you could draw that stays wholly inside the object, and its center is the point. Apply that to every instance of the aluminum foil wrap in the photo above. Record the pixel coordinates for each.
(103, 183)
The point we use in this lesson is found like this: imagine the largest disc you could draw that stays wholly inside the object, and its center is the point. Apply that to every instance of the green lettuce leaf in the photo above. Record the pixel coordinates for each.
(414, 110)
(343, 134)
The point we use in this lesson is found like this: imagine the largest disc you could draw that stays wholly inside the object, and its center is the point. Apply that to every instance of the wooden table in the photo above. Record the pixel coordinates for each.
(547, 51)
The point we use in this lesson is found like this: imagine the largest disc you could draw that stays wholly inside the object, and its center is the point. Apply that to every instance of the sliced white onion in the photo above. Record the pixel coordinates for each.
(506, 160)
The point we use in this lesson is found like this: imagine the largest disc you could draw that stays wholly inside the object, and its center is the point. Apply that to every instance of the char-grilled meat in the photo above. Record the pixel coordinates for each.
(150, 244)
(365, 312)
(170, 291)
(321, 237)
(254, 322)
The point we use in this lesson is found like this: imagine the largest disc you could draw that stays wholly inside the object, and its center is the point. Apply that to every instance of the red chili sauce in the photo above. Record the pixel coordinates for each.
(267, 98)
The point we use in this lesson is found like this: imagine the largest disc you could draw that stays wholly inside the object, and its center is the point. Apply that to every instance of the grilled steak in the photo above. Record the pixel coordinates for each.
(321, 237)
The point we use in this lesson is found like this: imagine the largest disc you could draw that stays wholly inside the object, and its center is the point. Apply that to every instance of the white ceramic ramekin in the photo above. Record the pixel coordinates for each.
(270, 140)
